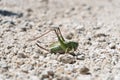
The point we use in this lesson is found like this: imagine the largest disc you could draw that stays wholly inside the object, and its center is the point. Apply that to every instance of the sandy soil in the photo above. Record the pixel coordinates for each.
(94, 24)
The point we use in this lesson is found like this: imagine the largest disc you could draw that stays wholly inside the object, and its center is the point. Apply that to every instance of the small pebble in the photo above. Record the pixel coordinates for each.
(44, 76)
(80, 57)
(66, 58)
(112, 46)
(84, 71)
(69, 36)
(100, 35)
(51, 73)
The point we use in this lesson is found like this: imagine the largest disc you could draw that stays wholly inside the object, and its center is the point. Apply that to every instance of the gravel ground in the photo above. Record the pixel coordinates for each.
(94, 24)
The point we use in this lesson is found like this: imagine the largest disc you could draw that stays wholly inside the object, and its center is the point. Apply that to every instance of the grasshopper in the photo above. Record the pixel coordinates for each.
(61, 46)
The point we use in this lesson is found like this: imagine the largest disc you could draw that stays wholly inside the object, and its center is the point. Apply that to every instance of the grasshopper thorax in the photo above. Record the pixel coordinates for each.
(72, 45)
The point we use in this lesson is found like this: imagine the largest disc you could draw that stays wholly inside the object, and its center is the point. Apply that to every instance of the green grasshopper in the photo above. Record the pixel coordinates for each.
(61, 46)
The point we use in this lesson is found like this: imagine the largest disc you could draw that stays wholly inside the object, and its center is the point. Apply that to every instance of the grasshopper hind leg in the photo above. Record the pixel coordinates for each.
(61, 34)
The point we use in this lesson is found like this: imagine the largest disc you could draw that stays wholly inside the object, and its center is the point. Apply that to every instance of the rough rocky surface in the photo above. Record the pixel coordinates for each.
(94, 24)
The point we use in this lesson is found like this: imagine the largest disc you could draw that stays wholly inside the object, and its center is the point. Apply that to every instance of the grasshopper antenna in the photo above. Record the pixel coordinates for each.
(39, 36)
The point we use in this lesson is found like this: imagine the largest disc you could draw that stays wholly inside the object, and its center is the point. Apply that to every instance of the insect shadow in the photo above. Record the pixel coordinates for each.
(10, 13)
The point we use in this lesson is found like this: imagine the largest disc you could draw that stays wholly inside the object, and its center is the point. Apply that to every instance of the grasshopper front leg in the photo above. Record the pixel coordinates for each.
(42, 47)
